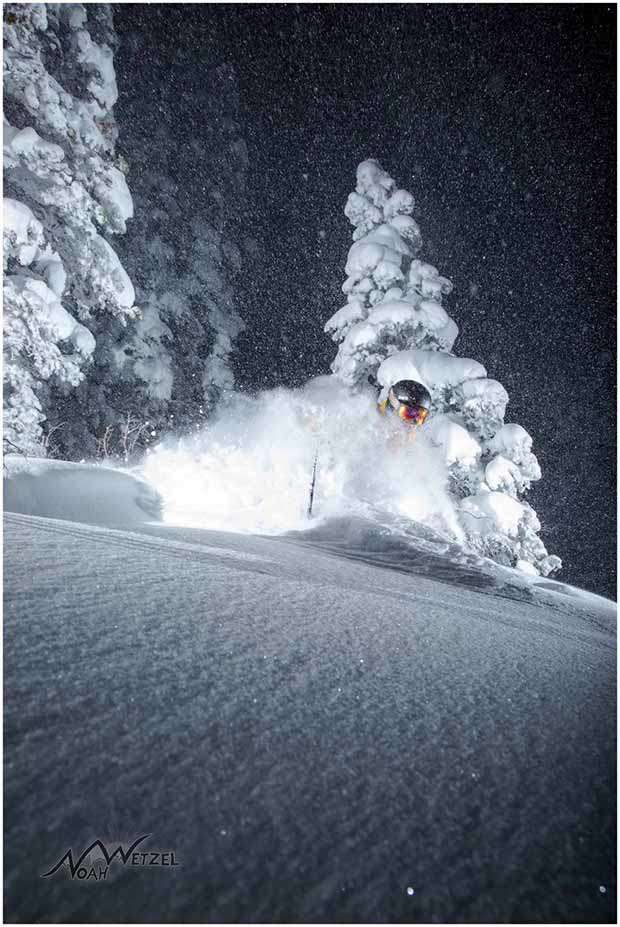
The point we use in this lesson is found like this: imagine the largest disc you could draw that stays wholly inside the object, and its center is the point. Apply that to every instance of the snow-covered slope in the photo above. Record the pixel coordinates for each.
(358, 723)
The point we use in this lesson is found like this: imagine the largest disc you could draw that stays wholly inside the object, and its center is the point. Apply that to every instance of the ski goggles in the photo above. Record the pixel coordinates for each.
(413, 415)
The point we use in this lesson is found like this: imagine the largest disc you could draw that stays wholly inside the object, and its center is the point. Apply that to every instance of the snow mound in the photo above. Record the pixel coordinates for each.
(88, 493)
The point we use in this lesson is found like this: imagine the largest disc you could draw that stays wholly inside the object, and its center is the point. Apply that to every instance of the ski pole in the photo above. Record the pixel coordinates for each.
(313, 481)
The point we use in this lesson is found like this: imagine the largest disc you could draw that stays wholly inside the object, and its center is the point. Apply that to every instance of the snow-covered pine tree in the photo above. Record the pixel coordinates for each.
(183, 257)
(64, 284)
(394, 327)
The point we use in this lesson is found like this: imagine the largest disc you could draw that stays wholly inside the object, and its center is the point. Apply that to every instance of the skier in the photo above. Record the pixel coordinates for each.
(407, 399)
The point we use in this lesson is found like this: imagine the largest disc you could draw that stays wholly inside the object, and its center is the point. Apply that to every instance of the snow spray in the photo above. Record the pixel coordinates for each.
(249, 468)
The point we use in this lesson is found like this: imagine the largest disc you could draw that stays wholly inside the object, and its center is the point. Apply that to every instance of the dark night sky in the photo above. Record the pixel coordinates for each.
(500, 119)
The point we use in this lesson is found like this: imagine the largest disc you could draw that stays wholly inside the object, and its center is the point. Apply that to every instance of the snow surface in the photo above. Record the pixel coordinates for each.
(315, 723)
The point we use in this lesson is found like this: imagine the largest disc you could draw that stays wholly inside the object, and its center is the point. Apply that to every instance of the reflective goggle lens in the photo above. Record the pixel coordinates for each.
(416, 415)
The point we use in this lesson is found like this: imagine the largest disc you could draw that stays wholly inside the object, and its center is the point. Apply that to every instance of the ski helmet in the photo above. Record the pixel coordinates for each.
(411, 401)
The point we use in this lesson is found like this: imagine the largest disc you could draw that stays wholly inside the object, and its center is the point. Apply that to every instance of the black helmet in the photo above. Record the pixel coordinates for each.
(410, 401)
(410, 393)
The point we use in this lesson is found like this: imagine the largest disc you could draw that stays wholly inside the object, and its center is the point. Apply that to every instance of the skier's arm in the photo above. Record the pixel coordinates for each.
(382, 401)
